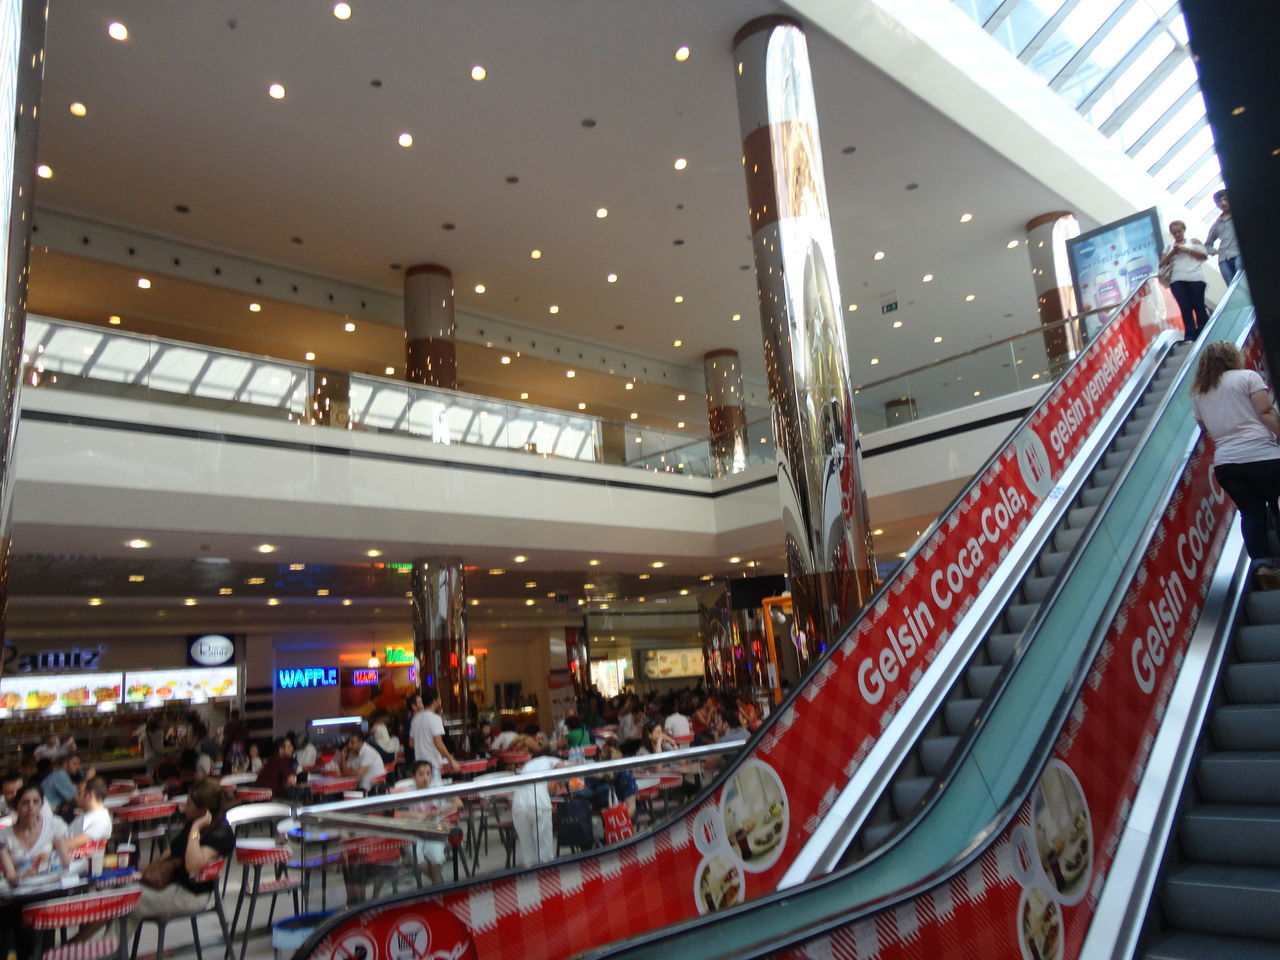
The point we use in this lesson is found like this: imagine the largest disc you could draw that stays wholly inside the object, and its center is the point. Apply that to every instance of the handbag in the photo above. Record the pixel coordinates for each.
(1166, 274)
(617, 820)
(158, 874)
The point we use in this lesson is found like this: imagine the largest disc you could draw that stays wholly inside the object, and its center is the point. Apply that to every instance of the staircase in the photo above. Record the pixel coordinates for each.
(1220, 894)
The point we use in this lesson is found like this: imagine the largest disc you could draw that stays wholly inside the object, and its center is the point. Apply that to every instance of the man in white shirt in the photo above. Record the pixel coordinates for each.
(362, 761)
(427, 733)
(677, 725)
(93, 823)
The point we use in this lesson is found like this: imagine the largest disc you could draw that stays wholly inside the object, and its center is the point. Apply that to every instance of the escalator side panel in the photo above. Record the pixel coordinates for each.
(813, 744)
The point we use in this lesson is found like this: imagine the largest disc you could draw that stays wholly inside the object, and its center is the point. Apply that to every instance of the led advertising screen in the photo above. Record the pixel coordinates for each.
(1109, 263)
(69, 689)
(179, 683)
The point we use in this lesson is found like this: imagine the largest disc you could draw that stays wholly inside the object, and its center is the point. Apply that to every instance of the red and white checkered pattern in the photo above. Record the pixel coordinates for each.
(210, 871)
(253, 794)
(255, 856)
(80, 910)
(95, 949)
(142, 812)
(814, 744)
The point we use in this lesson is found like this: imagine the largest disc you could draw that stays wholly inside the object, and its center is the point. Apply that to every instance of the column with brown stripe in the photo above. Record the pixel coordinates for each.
(829, 557)
(430, 353)
(726, 417)
(1047, 237)
(440, 631)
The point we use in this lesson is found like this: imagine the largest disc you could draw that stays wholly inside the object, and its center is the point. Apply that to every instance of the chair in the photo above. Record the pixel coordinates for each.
(210, 873)
(376, 860)
(253, 856)
(146, 821)
(250, 814)
(80, 911)
(254, 795)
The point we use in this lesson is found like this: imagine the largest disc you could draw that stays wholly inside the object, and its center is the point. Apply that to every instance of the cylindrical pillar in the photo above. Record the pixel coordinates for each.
(1047, 237)
(726, 416)
(440, 631)
(21, 71)
(331, 399)
(431, 356)
(829, 555)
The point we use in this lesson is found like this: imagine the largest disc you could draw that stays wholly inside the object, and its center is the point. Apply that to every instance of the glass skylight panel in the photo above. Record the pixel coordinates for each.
(1123, 36)
(1023, 24)
(1192, 150)
(176, 368)
(1128, 81)
(271, 386)
(1075, 31)
(1178, 124)
(978, 10)
(121, 360)
(223, 378)
(1153, 107)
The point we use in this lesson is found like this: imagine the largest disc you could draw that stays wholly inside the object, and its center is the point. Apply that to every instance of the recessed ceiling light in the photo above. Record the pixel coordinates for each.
(405, 139)
(273, 602)
(966, 217)
(937, 339)
(144, 283)
(44, 172)
(1011, 244)
(874, 361)
(189, 602)
(657, 564)
(95, 601)
(390, 371)
(612, 278)
(635, 416)
(927, 278)
(478, 73)
(684, 593)
(225, 591)
(266, 548)
(593, 563)
(117, 31)
(113, 320)
(481, 288)
(530, 602)
(679, 424)
(375, 552)
(570, 374)
(475, 603)
(897, 324)
(256, 581)
(349, 327)
(681, 163)
(308, 355)
(853, 307)
(524, 396)
(78, 109)
(582, 406)
(276, 91)
(977, 393)
(137, 544)
(342, 11)
(346, 603)
(519, 558)
(553, 309)
(678, 300)
(639, 439)
(677, 343)
(682, 54)
(530, 584)
(736, 317)
(628, 385)
(879, 255)
(535, 254)
(1035, 376)
(504, 360)
(496, 572)
(255, 308)
(735, 559)
(136, 578)
(877, 532)
(601, 212)
(680, 397)
(968, 297)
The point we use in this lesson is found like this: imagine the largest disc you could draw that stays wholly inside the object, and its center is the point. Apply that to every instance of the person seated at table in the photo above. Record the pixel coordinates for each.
(167, 885)
(255, 759)
(576, 733)
(654, 739)
(730, 728)
(305, 753)
(277, 773)
(431, 852)
(362, 761)
(506, 738)
(531, 740)
(28, 847)
(9, 785)
(380, 737)
(531, 810)
(677, 722)
(93, 823)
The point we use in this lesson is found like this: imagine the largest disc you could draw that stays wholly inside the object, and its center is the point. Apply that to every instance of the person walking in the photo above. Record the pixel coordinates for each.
(1186, 260)
(427, 733)
(1232, 405)
(1222, 239)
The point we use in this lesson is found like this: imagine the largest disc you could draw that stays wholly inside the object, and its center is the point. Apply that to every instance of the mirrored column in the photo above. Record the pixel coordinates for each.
(726, 416)
(1047, 237)
(431, 356)
(440, 631)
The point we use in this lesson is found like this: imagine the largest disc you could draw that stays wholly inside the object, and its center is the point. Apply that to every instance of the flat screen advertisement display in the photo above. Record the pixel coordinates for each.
(1109, 263)
(180, 683)
(69, 689)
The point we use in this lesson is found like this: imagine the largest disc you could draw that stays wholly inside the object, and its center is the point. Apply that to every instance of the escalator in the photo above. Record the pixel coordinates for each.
(1029, 551)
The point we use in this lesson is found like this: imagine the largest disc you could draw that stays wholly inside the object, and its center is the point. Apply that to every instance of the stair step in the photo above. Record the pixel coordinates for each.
(1052, 561)
(935, 752)
(1240, 776)
(1180, 945)
(1066, 539)
(1103, 478)
(1080, 516)
(1000, 646)
(960, 713)
(1243, 834)
(1259, 643)
(1124, 442)
(1216, 898)
(1263, 606)
(1247, 726)
(1115, 460)
(876, 834)
(1253, 683)
(981, 678)
(908, 793)
(1017, 615)
(1035, 589)
(1092, 496)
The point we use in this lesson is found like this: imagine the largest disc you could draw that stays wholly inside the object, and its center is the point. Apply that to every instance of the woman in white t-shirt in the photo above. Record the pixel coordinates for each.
(1187, 284)
(1233, 406)
(28, 847)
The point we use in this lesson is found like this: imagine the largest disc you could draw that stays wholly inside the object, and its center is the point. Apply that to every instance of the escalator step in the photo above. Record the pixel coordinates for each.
(1180, 945)
(1243, 834)
(1035, 589)
(1092, 496)
(1264, 606)
(876, 834)
(1051, 562)
(908, 793)
(935, 752)
(1253, 683)
(1240, 776)
(1124, 442)
(1215, 898)
(982, 678)
(960, 713)
(1000, 646)
(1017, 615)
(1258, 644)
(1065, 540)
(1247, 726)
(1115, 460)
(1080, 516)
(1103, 478)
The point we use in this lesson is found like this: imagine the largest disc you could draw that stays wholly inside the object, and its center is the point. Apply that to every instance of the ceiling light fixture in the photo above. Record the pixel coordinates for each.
(519, 558)
(628, 385)
(677, 299)
(553, 309)
(570, 374)
(601, 212)
(113, 320)
(874, 361)
(349, 327)
(582, 406)
(276, 91)
(273, 602)
(681, 397)
(374, 552)
(225, 591)
(679, 424)
(969, 298)
(736, 317)
(612, 278)
(657, 564)
(342, 11)
(136, 578)
(44, 172)
(117, 31)
(504, 360)
(735, 559)
(308, 355)
(937, 339)
(677, 343)
(966, 217)
(405, 139)
(390, 371)
(95, 601)
(144, 283)
(927, 278)
(266, 548)
(524, 396)
(681, 163)
(897, 324)
(1011, 244)
(879, 255)
(634, 415)
(346, 603)
(78, 109)
(682, 54)
(593, 563)
(481, 288)
(189, 602)
(853, 307)
(535, 254)
(137, 544)
(478, 73)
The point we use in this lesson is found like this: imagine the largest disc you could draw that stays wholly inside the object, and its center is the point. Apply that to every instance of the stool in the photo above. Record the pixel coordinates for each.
(210, 874)
(254, 855)
(80, 911)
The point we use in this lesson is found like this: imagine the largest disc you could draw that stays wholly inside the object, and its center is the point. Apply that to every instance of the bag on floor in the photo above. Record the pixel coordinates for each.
(617, 821)
(575, 825)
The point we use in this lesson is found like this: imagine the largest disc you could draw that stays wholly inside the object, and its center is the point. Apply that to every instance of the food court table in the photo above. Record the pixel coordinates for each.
(328, 786)
(237, 779)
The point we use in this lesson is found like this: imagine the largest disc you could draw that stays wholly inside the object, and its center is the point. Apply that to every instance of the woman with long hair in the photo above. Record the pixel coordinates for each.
(1232, 405)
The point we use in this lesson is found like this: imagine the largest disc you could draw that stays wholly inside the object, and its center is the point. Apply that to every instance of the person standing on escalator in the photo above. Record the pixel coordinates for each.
(1185, 260)
(1232, 405)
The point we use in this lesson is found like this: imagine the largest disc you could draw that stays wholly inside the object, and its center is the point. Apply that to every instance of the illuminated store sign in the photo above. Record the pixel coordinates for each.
(298, 678)
(364, 678)
(397, 656)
